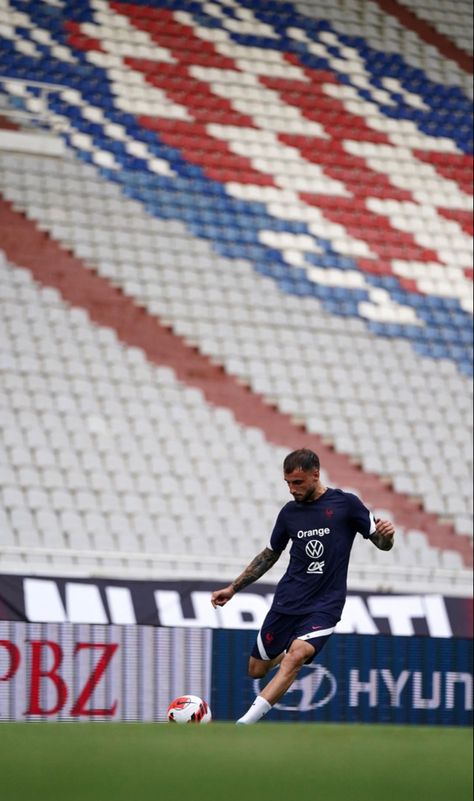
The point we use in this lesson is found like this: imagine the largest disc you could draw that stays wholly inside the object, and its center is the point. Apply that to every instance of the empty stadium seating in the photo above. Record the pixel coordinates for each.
(282, 188)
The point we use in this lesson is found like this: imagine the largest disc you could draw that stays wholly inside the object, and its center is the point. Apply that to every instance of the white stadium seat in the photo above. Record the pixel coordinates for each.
(103, 449)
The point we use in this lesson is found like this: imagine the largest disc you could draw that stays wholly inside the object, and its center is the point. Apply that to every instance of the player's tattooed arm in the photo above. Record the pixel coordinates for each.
(257, 567)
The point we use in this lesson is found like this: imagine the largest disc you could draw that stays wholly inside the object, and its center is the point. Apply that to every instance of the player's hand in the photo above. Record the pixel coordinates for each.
(385, 529)
(220, 597)
(383, 536)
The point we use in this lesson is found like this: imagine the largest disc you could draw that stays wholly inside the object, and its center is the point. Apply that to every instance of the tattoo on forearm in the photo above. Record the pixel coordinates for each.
(257, 567)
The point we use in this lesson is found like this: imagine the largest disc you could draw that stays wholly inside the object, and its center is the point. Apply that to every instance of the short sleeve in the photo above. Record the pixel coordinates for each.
(280, 536)
(363, 519)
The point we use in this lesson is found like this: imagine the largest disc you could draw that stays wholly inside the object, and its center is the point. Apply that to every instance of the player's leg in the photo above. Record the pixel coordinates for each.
(258, 668)
(309, 636)
(298, 654)
(267, 653)
(312, 634)
(290, 663)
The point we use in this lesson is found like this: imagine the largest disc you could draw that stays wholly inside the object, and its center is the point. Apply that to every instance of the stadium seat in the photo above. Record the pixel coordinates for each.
(300, 219)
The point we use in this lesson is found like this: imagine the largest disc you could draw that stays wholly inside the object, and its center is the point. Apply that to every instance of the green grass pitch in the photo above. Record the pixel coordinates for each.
(221, 761)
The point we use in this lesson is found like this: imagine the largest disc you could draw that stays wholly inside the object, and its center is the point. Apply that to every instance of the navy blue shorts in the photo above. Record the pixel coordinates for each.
(278, 632)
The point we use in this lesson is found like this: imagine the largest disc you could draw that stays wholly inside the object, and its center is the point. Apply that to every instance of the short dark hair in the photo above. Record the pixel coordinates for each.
(302, 459)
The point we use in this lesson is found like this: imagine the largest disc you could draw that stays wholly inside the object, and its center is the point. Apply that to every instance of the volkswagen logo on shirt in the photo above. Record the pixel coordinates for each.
(314, 687)
(314, 549)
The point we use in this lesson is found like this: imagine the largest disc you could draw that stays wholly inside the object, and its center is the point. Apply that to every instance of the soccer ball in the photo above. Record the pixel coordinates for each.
(189, 709)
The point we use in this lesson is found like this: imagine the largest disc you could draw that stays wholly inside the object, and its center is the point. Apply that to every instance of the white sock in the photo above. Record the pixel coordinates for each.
(259, 708)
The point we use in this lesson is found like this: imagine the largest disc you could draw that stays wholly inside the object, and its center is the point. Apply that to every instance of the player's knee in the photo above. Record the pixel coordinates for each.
(297, 655)
(291, 663)
(256, 672)
(257, 668)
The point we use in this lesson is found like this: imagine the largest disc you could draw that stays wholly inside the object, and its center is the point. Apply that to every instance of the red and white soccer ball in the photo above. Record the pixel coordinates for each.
(189, 709)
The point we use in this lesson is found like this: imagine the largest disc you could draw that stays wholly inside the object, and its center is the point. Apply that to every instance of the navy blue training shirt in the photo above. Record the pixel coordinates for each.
(321, 533)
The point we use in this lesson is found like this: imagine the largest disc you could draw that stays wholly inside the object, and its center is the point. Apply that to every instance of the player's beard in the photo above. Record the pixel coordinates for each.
(307, 497)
